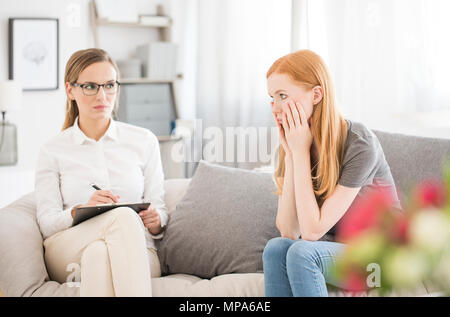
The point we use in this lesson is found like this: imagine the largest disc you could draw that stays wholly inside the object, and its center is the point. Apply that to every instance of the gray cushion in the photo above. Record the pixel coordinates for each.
(413, 158)
(222, 223)
(22, 267)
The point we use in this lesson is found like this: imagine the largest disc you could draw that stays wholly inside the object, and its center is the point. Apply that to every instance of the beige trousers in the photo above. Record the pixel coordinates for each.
(111, 252)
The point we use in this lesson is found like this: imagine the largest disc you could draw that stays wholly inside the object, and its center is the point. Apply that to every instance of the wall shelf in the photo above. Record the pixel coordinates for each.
(147, 80)
(160, 22)
(155, 24)
(134, 99)
(162, 25)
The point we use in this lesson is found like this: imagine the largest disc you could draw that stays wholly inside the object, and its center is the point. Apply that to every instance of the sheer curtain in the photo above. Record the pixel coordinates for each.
(389, 58)
(227, 47)
(237, 42)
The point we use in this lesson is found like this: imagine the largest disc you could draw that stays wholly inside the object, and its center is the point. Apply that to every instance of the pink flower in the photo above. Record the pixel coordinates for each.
(431, 193)
(355, 281)
(399, 229)
(366, 213)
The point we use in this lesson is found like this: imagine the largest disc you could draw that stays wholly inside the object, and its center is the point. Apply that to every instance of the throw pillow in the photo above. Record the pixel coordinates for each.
(222, 224)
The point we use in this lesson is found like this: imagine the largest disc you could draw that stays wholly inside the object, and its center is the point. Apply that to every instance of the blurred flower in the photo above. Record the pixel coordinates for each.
(442, 273)
(399, 228)
(366, 213)
(355, 282)
(404, 267)
(430, 230)
(366, 248)
(431, 193)
(411, 246)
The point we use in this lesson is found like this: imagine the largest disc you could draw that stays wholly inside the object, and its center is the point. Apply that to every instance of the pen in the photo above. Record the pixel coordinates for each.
(96, 187)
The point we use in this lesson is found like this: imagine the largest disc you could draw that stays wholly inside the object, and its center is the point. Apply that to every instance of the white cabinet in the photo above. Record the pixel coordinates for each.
(148, 104)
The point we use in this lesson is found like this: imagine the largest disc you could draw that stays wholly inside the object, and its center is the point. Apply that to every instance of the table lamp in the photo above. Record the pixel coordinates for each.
(10, 98)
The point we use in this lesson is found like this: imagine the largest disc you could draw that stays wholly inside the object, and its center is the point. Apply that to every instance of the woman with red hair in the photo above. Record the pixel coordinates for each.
(325, 162)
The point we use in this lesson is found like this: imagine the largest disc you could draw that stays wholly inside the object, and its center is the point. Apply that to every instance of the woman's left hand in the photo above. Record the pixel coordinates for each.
(296, 128)
(151, 220)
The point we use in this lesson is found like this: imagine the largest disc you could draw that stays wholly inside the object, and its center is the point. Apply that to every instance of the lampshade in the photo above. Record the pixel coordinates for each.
(10, 95)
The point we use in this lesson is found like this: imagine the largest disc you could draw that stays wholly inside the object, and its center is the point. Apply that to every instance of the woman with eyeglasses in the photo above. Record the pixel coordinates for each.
(115, 251)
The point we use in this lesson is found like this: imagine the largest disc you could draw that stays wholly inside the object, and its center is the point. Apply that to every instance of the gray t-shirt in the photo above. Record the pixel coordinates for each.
(364, 164)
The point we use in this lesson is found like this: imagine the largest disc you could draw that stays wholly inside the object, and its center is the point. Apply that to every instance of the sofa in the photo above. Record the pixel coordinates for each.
(23, 271)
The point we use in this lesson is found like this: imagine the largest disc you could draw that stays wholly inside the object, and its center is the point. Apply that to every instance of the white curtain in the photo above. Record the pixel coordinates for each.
(238, 40)
(227, 47)
(389, 58)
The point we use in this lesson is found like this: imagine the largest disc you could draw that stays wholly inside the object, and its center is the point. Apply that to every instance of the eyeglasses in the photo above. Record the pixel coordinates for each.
(91, 89)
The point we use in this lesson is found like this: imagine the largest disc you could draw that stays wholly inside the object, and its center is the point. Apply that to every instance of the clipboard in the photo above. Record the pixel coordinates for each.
(85, 213)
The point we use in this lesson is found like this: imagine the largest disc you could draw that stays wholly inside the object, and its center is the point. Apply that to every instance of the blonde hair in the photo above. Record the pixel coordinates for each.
(79, 61)
(328, 127)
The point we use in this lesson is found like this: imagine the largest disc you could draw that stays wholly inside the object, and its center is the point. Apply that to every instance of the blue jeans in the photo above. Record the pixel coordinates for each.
(299, 267)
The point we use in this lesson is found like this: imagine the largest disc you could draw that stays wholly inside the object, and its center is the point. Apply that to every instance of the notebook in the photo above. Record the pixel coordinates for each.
(85, 213)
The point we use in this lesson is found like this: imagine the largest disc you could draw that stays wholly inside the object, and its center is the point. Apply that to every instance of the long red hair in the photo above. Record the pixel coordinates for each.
(328, 127)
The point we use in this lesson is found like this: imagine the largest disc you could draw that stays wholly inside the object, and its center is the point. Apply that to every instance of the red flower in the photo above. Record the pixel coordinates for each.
(399, 229)
(431, 193)
(355, 281)
(366, 213)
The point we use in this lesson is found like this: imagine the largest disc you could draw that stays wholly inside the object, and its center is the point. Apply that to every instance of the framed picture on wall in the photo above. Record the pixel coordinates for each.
(34, 52)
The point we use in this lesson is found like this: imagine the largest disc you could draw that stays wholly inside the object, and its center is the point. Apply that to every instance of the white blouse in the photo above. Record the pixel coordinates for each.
(126, 161)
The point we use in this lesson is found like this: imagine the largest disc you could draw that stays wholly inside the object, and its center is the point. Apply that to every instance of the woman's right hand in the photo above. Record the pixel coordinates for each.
(283, 141)
(102, 197)
(99, 197)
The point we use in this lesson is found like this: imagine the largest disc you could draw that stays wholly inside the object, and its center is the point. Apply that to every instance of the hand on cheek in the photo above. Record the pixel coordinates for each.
(297, 132)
